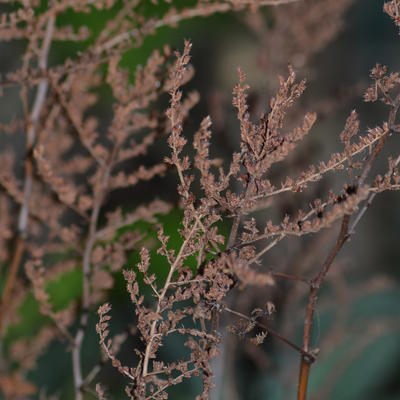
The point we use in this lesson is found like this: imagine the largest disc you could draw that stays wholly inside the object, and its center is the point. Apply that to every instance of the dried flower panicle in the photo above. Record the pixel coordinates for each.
(392, 8)
(262, 145)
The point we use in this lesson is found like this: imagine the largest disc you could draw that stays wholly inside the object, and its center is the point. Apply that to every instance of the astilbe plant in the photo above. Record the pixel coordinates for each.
(56, 188)
(68, 176)
(221, 266)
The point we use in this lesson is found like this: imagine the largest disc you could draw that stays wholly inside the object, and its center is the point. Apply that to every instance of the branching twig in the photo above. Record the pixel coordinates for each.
(90, 242)
(31, 134)
(162, 296)
(271, 332)
(344, 235)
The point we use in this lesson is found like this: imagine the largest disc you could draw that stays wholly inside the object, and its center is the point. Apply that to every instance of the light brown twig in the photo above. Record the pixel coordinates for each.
(31, 133)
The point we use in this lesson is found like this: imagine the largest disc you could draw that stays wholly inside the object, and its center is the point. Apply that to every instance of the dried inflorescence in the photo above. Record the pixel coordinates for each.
(262, 145)
(392, 8)
(297, 33)
(74, 162)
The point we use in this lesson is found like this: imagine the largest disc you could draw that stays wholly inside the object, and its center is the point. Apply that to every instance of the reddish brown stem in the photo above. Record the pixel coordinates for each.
(312, 298)
(303, 378)
(317, 281)
(12, 275)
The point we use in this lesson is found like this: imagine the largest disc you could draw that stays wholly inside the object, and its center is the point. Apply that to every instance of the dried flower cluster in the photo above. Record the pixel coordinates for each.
(54, 196)
(392, 8)
(262, 145)
(298, 32)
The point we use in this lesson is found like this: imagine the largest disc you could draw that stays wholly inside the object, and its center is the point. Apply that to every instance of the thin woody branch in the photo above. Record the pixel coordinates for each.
(32, 123)
(273, 333)
(161, 297)
(86, 261)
